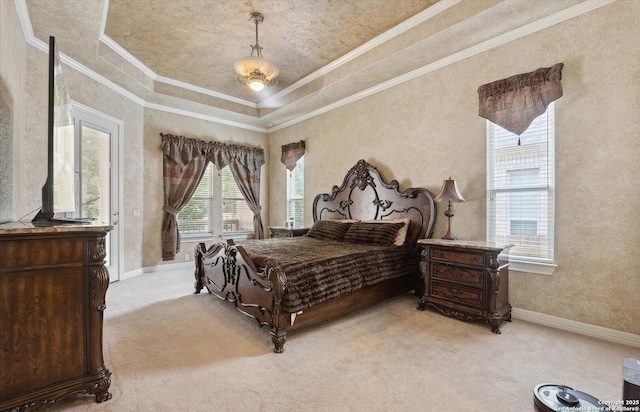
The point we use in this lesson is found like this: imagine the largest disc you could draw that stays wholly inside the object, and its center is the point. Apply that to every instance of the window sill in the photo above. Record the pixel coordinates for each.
(198, 237)
(532, 267)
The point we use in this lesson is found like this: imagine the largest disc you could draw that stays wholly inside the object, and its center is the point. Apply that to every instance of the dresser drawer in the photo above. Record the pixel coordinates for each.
(458, 256)
(467, 297)
(448, 273)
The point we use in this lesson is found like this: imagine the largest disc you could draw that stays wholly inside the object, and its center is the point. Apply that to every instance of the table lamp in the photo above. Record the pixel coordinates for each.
(451, 193)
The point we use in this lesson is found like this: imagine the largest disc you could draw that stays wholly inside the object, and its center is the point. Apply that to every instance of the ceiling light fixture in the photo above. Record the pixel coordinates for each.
(256, 72)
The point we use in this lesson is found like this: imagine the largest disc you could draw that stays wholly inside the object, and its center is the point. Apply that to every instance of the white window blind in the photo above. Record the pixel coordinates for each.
(216, 193)
(520, 184)
(295, 194)
(236, 215)
(197, 215)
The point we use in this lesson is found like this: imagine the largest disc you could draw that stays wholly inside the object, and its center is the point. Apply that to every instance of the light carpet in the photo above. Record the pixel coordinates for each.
(171, 350)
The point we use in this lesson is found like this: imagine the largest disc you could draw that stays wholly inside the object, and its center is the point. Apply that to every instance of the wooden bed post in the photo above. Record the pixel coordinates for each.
(279, 282)
(199, 273)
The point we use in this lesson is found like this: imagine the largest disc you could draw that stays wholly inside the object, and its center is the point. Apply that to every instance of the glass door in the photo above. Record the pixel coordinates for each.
(97, 178)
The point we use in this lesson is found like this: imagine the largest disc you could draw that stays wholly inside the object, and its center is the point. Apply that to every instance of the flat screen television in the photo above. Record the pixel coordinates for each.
(58, 192)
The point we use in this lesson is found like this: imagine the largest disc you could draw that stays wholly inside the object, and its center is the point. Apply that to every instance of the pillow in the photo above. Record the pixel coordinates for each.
(373, 233)
(344, 220)
(401, 237)
(328, 229)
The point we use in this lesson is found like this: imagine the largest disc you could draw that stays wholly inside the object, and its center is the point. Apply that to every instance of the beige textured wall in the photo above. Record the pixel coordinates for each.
(13, 58)
(160, 122)
(9, 74)
(428, 129)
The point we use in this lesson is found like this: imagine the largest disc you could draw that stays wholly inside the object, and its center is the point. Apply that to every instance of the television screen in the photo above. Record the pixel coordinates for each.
(58, 192)
(63, 143)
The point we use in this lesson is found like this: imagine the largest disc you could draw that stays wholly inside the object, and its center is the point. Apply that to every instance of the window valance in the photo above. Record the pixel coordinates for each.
(291, 153)
(513, 103)
(183, 149)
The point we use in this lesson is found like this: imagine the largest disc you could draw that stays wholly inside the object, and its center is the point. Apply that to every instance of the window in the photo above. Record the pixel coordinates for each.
(217, 206)
(236, 215)
(295, 194)
(520, 184)
(197, 215)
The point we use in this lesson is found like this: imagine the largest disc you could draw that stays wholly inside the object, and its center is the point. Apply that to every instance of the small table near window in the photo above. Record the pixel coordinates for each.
(281, 231)
(468, 280)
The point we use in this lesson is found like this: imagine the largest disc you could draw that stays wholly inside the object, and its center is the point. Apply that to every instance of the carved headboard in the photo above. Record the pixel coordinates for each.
(365, 195)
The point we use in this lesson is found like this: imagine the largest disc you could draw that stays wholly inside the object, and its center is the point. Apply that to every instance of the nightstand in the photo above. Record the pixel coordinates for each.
(281, 231)
(468, 280)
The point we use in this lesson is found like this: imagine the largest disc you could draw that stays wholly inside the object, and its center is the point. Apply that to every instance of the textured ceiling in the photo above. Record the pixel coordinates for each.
(197, 41)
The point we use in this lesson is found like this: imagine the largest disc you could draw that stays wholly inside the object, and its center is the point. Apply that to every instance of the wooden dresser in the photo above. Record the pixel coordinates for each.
(53, 283)
(468, 280)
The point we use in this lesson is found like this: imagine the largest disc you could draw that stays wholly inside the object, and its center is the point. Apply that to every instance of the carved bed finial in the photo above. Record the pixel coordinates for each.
(363, 177)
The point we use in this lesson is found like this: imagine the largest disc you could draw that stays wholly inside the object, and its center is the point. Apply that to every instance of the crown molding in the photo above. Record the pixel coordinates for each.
(198, 89)
(366, 47)
(202, 116)
(566, 14)
(497, 41)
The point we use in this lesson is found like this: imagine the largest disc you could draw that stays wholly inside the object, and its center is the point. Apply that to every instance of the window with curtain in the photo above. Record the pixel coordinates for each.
(295, 194)
(215, 194)
(520, 184)
(197, 216)
(236, 215)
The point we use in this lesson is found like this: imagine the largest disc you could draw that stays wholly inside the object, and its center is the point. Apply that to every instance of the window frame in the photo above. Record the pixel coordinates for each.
(215, 213)
(297, 172)
(544, 191)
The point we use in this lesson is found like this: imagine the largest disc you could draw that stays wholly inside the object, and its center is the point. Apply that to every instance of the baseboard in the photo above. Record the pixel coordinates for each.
(594, 331)
(157, 268)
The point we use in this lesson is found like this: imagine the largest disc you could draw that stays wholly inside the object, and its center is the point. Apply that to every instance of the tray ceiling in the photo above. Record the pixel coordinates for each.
(180, 54)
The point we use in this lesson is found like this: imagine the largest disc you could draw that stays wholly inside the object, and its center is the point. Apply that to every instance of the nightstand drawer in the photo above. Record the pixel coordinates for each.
(447, 273)
(458, 256)
(467, 297)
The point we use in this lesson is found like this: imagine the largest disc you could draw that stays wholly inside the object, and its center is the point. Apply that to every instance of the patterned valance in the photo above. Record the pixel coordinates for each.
(513, 103)
(291, 153)
(183, 149)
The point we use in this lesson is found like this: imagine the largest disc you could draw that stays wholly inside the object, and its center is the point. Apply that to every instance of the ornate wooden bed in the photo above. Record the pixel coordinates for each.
(259, 286)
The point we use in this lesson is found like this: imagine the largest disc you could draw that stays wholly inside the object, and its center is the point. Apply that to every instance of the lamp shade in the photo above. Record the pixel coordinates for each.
(253, 69)
(449, 192)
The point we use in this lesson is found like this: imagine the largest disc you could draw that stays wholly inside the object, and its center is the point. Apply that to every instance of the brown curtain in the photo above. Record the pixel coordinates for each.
(183, 167)
(184, 164)
(513, 103)
(245, 164)
(249, 184)
(291, 153)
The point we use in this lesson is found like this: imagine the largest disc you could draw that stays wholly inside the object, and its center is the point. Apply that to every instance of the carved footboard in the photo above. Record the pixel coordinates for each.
(227, 271)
